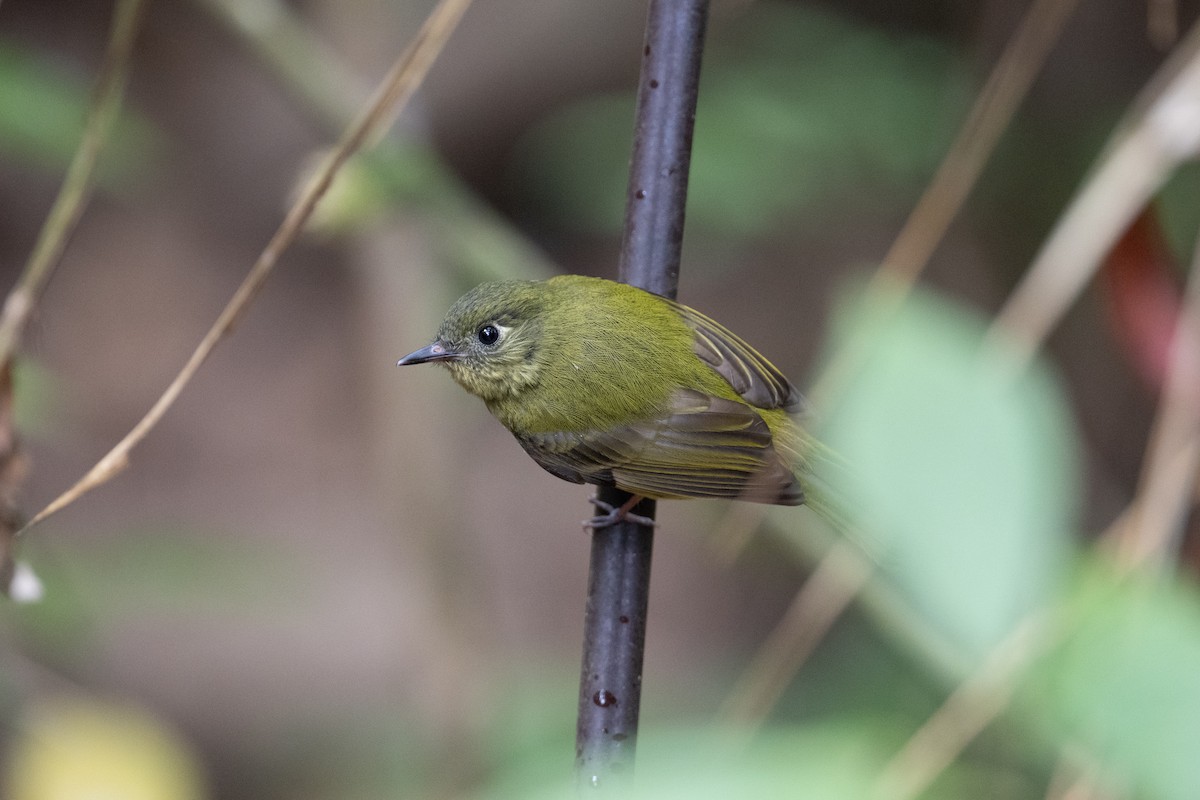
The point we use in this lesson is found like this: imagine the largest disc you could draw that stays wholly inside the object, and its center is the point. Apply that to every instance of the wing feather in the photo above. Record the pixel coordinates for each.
(702, 446)
(758, 381)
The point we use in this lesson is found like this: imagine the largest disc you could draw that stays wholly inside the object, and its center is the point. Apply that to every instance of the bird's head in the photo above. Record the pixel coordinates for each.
(490, 339)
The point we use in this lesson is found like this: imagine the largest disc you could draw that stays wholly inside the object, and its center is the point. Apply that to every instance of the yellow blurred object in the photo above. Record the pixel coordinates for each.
(78, 748)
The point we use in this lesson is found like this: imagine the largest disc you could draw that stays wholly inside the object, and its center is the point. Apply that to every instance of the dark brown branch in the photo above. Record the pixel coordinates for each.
(619, 579)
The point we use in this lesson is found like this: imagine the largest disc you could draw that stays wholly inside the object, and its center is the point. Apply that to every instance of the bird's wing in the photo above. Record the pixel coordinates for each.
(702, 446)
(758, 381)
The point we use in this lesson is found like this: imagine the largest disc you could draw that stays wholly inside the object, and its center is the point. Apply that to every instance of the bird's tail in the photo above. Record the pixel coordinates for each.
(819, 469)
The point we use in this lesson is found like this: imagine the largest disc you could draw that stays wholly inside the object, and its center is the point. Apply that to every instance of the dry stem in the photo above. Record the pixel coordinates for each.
(402, 80)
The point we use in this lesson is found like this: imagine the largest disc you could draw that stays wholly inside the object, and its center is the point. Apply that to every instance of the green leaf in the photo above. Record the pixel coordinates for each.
(963, 477)
(1126, 683)
(834, 760)
(831, 762)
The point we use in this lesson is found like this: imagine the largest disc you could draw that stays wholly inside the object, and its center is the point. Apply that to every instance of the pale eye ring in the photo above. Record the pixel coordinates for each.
(488, 334)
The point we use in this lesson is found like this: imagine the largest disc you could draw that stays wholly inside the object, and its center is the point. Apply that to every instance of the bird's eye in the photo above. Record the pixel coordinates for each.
(489, 334)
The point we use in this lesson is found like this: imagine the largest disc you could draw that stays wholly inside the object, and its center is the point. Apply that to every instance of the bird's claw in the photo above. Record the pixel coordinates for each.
(614, 514)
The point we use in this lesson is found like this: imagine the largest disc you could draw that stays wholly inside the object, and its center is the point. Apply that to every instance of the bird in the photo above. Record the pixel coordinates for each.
(606, 384)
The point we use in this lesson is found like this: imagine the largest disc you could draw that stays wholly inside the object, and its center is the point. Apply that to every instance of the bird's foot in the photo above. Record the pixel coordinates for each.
(614, 514)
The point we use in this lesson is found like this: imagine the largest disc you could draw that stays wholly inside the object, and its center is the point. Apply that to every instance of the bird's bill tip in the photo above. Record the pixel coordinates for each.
(434, 352)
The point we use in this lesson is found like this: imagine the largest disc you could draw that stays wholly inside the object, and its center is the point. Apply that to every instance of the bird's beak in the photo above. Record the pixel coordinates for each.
(434, 352)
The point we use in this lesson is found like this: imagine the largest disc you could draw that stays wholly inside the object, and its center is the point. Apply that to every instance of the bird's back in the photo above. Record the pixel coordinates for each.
(638, 399)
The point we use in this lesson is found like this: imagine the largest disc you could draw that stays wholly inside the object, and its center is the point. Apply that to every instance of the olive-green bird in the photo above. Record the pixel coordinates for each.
(607, 384)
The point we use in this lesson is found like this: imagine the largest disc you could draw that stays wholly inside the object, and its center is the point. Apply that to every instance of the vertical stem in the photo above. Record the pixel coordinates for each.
(662, 145)
(610, 683)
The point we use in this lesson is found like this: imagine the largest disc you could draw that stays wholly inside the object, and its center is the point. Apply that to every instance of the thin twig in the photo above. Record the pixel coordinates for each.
(977, 701)
(1169, 128)
(957, 174)
(994, 107)
(402, 80)
(22, 300)
(1168, 479)
(1157, 140)
(1077, 776)
(829, 591)
(984, 695)
(469, 232)
(1161, 133)
(997, 102)
(77, 185)
(926, 226)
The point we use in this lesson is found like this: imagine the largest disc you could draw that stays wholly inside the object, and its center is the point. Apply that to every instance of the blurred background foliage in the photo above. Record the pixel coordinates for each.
(44, 106)
(324, 579)
(764, 161)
